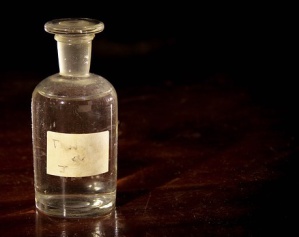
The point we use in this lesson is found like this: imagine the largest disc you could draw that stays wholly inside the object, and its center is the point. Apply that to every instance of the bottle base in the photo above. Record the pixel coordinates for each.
(75, 206)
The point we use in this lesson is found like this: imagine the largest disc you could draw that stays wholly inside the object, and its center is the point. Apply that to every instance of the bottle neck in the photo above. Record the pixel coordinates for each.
(74, 54)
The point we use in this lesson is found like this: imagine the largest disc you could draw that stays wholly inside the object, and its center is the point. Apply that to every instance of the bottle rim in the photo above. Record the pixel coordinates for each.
(74, 26)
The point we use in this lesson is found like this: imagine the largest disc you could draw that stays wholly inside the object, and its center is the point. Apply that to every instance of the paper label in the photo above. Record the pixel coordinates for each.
(77, 155)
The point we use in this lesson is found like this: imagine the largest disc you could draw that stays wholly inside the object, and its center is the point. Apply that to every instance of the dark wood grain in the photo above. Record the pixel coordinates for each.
(206, 158)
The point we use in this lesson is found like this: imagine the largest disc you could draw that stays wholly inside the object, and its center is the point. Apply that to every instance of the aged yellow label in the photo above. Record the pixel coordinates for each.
(77, 155)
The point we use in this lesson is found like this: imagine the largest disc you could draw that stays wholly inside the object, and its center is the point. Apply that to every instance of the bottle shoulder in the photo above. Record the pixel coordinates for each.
(61, 86)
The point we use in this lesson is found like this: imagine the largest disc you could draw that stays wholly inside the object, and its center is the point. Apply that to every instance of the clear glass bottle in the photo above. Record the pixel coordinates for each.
(75, 129)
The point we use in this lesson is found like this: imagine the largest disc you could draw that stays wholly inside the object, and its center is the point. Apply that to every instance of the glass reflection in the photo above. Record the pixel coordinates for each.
(93, 227)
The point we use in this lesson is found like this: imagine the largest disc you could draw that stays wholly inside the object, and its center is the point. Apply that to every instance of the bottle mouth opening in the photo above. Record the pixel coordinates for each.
(74, 26)
(74, 38)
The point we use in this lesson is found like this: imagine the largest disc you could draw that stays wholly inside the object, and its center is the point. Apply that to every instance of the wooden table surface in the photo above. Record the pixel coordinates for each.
(207, 158)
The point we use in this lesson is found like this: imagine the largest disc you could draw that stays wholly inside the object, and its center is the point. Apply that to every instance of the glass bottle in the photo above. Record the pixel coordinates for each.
(74, 129)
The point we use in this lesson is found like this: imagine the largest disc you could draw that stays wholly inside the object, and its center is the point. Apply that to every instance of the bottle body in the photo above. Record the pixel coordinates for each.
(74, 132)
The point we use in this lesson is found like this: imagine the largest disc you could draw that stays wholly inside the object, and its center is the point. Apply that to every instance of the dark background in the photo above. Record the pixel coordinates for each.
(152, 43)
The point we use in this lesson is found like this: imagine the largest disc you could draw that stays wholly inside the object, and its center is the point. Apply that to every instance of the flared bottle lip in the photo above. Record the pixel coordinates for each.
(74, 26)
